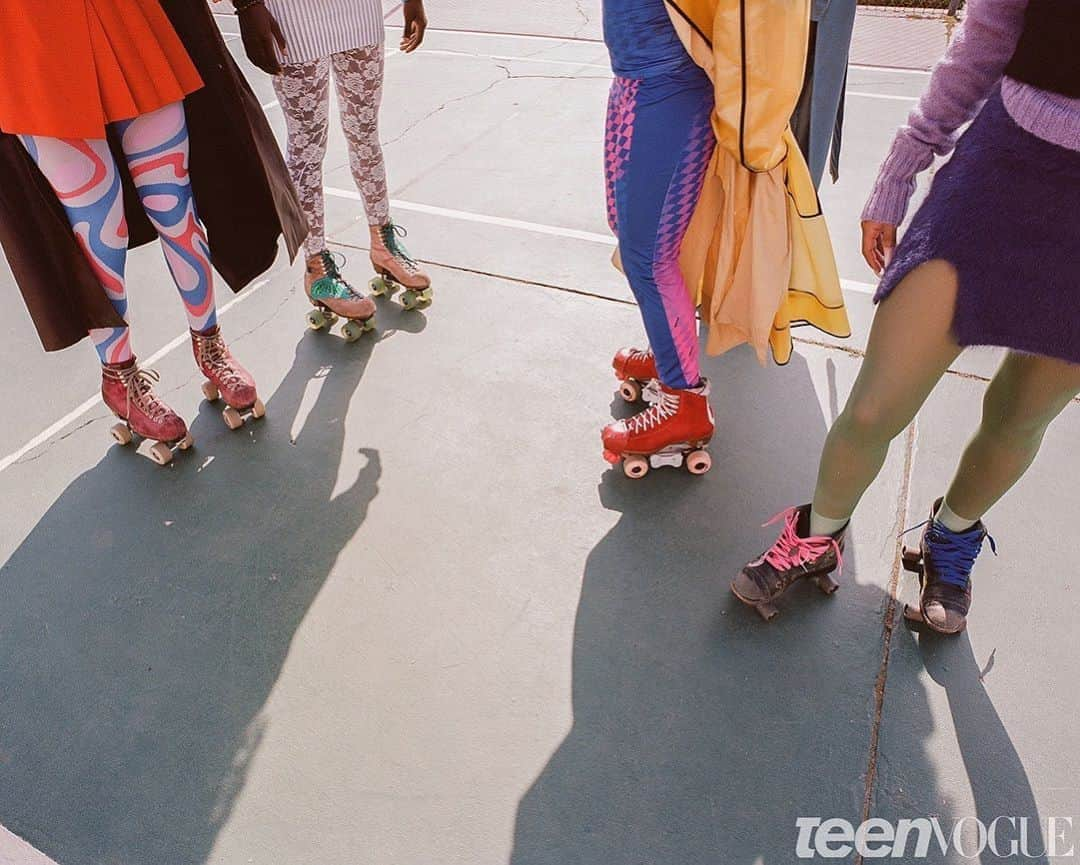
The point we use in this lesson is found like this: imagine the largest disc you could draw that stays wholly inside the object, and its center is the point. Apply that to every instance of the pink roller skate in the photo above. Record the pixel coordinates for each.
(333, 297)
(128, 392)
(673, 431)
(636, 371)
(397, 269)
(225, 378)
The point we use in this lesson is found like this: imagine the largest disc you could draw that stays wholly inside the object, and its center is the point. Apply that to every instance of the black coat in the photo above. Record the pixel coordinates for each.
(242, 191)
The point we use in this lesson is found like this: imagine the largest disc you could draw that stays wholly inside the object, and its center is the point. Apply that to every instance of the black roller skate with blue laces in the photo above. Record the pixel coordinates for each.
(943, 562)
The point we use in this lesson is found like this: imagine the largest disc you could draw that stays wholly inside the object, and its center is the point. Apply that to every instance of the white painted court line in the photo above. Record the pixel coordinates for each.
(469, 216)
(86, 406)
(892, 97)
(15, 851)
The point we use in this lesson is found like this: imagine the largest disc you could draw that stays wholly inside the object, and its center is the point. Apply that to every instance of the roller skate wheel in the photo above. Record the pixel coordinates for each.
(210, 391)
(186, 443)
(698, 462)
(630, 391)
(826, 583)
(409, 300)
(316, 319)
(353, 330)
(635, 466)
(121, 433)
(258, 410)
(912, 560)
(232, 417)
(379, 286)
(425, 299)
(767, 611)
(331, 317)
(161, 453)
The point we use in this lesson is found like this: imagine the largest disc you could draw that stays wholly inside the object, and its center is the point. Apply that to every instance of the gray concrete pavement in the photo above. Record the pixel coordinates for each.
(413, 618)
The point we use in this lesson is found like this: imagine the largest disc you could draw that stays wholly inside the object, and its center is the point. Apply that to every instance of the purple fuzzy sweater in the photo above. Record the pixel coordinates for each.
(960, 84)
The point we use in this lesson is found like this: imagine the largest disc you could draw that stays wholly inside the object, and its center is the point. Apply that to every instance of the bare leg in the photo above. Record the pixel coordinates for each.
(910, 349)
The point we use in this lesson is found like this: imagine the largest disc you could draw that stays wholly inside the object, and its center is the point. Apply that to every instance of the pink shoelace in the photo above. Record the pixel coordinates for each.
(791, 551)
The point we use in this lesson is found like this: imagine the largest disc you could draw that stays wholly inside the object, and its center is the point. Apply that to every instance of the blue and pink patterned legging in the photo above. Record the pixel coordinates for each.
(658, 145)
(86, 180)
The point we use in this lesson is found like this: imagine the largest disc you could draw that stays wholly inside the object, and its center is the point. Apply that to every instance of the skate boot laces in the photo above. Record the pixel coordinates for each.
(215, 359)
(791, 551)
(663, 407)
(332, 283)
(390, 234)
(954, 553)
(139, 387)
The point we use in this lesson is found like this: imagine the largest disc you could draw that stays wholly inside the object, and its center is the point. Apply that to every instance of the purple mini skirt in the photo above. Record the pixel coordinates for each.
(1005, 212)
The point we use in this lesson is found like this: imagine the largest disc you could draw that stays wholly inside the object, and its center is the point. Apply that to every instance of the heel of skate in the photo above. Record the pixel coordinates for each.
(234, 416)
(826, 583)
(912, 560)
(766, 610)
(160, 452)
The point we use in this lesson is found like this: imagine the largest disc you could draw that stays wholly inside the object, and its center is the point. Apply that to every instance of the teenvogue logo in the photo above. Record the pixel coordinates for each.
(1005, 837)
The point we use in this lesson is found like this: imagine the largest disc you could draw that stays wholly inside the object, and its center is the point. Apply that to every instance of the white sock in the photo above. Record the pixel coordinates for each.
(951, 520)
(821, 527)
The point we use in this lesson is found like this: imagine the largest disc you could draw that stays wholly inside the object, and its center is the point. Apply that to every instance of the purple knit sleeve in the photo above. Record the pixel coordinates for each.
(959, 85)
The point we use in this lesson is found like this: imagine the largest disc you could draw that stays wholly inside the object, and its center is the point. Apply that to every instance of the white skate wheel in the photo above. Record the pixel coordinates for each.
(316, 319)
(161, 453)
(258, 410)
(630, 391)
(121, 433)
(698, 462)
(210, 391)
(186, 443)
(232, 418)
(635, 467)
(409, 300)
(379, 286)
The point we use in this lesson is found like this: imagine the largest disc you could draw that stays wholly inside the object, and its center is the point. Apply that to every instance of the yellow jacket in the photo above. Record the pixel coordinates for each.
(757, 256)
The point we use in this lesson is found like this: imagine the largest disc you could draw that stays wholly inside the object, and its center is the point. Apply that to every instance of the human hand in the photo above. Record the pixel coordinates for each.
(415, 25)
(260, 33)
(878, 244)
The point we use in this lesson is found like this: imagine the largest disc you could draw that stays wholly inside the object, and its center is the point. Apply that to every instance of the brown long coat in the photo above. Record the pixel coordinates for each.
(242, 190)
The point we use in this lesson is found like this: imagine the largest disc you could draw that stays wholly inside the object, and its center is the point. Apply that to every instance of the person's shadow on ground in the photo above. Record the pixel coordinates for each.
(145, 619)
(700, 732)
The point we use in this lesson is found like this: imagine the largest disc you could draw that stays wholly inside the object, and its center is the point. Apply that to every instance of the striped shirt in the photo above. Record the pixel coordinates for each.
(315, 29)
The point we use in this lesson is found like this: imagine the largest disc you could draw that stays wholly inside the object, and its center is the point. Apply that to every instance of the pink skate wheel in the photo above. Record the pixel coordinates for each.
(210, 391)
(699, 462)
(635, 467)
(630, 391)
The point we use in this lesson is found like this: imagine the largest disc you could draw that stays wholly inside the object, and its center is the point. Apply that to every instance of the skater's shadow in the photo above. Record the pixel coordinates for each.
(700, 733)
(145, 619)
(998, 780)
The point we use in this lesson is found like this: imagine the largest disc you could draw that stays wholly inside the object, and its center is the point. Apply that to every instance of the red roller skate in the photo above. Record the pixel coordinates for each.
(225, 378)
(333, 297)
(636, 372)
(128, 392)
(397, 269)
(674, 430)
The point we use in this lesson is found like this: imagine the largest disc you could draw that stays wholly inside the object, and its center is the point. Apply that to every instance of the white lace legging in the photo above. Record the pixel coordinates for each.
(303, 89)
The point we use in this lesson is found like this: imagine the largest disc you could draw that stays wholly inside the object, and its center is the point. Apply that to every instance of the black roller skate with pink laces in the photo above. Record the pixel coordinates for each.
(795, 556)
(943, 562)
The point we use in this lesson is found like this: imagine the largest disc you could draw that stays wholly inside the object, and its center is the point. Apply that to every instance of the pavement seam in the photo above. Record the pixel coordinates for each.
(889, 621)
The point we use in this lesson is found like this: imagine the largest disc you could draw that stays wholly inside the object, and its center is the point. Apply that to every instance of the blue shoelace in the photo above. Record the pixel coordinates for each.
(954, 553)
